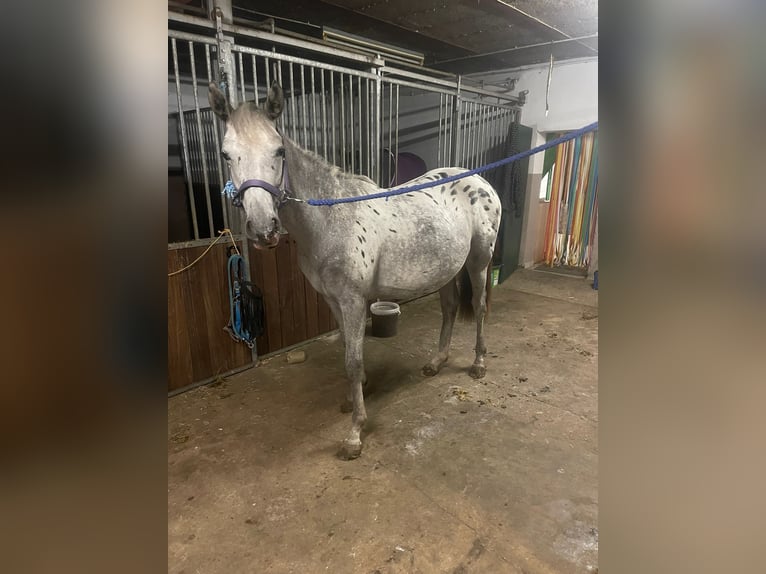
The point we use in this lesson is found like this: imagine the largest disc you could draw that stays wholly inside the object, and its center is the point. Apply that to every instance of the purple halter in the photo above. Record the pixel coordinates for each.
(281, 195)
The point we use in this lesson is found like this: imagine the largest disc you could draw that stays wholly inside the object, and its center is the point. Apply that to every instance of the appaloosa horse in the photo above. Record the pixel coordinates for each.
(441, 238)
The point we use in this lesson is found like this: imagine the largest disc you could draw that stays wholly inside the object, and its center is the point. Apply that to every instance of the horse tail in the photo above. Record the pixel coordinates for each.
(465, 308)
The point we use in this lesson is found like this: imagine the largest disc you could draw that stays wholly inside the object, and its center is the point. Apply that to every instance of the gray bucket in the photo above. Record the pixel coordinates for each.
(385, 318)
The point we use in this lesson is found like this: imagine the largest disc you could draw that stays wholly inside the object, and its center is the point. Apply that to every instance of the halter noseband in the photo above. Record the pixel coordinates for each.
(281, 191)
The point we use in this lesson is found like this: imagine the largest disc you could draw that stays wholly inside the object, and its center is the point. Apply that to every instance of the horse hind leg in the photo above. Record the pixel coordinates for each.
(477, 270)
(449, 303)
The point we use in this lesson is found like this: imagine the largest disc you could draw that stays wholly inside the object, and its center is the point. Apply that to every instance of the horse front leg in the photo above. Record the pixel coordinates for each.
(354, 322)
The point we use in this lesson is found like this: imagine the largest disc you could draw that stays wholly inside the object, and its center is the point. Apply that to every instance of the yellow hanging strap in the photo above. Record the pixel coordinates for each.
(221, 234)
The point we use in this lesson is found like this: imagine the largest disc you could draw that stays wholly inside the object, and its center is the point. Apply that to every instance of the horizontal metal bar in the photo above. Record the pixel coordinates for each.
(447, 83)
(509, 106)
(297, 60)
(178, 35)
(277, 39)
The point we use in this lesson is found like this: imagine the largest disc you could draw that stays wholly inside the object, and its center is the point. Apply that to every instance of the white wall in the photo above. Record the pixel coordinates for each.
(572, 104)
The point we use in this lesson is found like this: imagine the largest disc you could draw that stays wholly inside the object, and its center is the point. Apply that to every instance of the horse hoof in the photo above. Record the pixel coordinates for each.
(349, 451)
(346, 406)
(429, 370)
(478, 371)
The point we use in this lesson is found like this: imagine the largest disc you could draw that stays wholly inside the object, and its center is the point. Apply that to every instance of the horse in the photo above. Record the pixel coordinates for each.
(397, 248)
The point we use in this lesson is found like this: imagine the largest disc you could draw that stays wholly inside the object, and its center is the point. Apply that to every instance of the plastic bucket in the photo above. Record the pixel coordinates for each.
(385, 318)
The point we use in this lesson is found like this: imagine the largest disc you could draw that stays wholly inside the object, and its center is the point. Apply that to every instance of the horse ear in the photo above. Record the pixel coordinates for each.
(275, 102)
(221, 106)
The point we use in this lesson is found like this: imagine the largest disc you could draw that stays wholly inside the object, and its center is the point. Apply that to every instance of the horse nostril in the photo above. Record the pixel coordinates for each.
(274, 224)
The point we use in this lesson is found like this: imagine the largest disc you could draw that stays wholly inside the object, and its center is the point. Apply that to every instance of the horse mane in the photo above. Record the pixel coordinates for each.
(331, 180)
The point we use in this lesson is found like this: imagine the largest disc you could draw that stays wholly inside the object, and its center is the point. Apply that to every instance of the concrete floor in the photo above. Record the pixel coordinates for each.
(456, 476)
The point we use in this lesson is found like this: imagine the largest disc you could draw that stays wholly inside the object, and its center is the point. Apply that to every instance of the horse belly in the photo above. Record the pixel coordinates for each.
(410, 269)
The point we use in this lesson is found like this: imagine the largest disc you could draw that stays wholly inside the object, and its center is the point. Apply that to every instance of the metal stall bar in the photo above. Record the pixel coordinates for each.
(255, 79)
(342, 94)
(439, 138)
(241, 77)
(314, 137)
(391, 168)
(203, 152)
(268, 75)
(352, 117)
(368, 123)
(184, 140)
(303, 108)
(332, 107)
(324, 116)
(361, 140)
(293, 110)
(396, 139)
(378, 127)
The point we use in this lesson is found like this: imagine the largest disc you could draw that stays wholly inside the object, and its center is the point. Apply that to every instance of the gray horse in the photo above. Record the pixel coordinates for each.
(441, 238)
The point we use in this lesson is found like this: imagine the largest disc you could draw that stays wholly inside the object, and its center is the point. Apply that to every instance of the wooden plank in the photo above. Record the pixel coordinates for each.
(256, 276)
(286, 293)
(270, 290)
(194, 315)
(298, 289)
(179, 367)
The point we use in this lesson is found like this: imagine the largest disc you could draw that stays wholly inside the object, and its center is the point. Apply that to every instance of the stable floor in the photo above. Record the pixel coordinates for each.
(456, 476)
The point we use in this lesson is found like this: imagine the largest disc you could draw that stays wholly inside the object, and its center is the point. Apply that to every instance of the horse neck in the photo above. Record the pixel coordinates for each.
(310, 176)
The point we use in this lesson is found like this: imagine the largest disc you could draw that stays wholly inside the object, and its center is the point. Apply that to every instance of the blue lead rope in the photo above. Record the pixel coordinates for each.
(229, 189)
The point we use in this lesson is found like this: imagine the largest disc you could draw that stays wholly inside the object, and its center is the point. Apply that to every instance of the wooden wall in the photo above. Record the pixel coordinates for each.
(198, 310)
(294, 311)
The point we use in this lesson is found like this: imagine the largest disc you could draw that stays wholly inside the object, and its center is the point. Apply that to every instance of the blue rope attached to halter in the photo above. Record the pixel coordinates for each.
(410, 188)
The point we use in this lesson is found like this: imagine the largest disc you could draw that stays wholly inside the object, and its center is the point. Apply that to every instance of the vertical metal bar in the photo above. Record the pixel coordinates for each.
(351, 117)
(314, 113)
(241, 76)
(361, 141)
(217, 142)
(303, 108)
(268, 76)
(439, 131)
(332, 108)
(378, 127)
(184, 145)
(202, 150)
(483, 140)
(445, 138)
(255, 80)
(467, 133)
(342, 95)
(390, 154)
(455, 141)
(324, 115)
(368, 125)
(293, 109)
(475, 133)
(396, 138)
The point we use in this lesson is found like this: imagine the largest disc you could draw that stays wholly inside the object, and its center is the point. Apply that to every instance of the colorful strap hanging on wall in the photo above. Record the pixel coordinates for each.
(571, 223)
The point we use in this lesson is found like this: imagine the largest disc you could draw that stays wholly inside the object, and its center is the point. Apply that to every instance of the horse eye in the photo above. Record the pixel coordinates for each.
(280, 152)
(226, 156)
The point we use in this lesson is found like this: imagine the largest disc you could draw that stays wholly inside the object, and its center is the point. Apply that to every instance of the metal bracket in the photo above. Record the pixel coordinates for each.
(523, 97)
